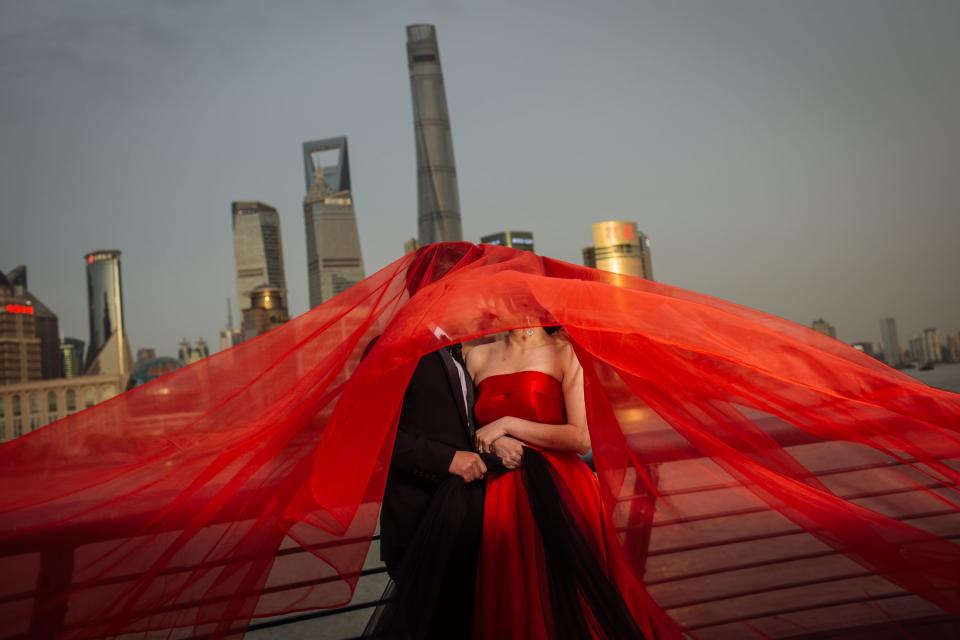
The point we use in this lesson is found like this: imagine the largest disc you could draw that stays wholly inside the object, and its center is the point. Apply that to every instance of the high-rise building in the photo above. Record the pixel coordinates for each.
(257, 248)
(45, 320)
(438, 199)
(109, 350)
(19, 344)
(334, 260)
(892, 353)
(824, 327)
(931, 346)
(145, 353)
(619, 247)
(915, 347)
(516, 239)
(71, 357)
(267, 310)
(952, 349)
(410, 246)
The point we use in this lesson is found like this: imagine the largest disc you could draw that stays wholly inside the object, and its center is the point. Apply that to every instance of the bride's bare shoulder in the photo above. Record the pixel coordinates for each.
(564, 351)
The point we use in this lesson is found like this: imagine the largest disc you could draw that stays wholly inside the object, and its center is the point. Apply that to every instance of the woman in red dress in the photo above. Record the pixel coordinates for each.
(545, 570)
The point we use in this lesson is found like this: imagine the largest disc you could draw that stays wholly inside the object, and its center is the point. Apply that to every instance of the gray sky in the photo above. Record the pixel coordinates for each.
(802, 158)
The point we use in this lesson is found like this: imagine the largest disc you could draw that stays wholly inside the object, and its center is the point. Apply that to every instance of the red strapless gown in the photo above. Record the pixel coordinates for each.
(512, 598)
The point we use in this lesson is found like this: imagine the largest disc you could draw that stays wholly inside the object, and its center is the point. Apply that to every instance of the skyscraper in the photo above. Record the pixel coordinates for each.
(619, 247)
(19, 344)
(932, 351)
(892, 353)
(257, 248)
(334, 261)
(517, 239)
(109, 350)
(45, 321)
(438, 200)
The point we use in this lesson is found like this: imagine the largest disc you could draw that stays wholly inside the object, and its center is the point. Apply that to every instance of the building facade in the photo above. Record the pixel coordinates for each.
(45, 322)
(892, 352)
(438, 197)
(516, 239)
(108, 351)
(20, 354)
(334, 260)
(824, 327)
(190, 353)
(257, 247)
(931, 346)
(865, 346)
(619, 247)
(71, 357)
(952, 349)
(267, 311)
(28, 406)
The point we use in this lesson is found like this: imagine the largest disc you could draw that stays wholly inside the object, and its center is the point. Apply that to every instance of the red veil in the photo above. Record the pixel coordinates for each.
(758, 478)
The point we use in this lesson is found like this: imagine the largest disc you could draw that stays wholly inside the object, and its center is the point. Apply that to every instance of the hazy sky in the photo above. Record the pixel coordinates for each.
(802, 158)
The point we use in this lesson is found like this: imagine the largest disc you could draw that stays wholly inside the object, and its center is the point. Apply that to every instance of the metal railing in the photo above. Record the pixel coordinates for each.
(57, 552)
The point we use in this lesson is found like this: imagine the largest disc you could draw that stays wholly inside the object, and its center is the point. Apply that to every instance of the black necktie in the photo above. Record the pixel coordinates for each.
(456, 350)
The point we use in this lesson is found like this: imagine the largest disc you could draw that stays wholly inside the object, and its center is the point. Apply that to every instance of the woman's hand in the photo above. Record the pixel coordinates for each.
(509, 450)
(486, 436)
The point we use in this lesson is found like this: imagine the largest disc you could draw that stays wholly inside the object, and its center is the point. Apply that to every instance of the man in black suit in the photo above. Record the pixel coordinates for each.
(433, 501)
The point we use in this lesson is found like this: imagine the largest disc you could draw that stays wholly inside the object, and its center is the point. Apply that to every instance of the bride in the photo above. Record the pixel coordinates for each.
(543, 550)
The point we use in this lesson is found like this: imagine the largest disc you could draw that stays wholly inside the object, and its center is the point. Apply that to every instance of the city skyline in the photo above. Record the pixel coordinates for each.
(804, 175)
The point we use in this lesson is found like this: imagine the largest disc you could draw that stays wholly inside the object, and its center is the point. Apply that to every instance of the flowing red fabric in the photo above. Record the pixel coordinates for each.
(758, 478)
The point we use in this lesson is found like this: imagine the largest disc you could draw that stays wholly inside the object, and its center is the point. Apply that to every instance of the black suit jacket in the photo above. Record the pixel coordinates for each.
(434, 424)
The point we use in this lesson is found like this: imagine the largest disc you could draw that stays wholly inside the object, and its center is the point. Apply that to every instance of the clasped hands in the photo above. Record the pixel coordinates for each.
(495, 438)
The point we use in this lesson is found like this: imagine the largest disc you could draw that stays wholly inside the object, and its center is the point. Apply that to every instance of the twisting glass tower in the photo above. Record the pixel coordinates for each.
(438, 201)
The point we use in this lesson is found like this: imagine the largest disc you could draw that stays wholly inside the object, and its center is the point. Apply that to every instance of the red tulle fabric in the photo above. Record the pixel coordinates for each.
(756, 478)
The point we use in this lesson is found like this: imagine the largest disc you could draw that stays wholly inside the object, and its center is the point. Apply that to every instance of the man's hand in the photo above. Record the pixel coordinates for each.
(509, 450)
(468, 465)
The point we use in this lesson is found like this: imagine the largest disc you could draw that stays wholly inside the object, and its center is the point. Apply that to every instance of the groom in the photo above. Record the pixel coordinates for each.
(434, 464)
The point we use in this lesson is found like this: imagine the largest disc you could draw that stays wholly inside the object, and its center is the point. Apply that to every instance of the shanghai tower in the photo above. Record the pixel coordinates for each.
(438, 201)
